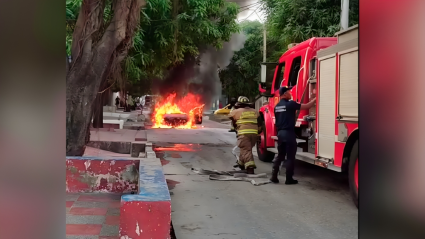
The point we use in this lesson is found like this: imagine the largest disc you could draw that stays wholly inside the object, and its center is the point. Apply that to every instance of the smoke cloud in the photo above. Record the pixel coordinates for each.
(200, 75)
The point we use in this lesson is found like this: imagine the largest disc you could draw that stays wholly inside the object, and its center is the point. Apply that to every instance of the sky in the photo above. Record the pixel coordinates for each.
(248, 13)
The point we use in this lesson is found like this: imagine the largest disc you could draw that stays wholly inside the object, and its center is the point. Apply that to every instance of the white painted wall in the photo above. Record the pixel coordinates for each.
(114, 95)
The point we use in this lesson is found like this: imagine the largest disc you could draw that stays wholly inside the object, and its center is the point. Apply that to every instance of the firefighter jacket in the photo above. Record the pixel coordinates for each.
(246, 120)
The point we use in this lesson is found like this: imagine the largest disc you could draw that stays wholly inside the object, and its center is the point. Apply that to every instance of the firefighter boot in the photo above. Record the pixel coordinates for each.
(274, 178)
(239, 166)
(290, 180)
(250, 170)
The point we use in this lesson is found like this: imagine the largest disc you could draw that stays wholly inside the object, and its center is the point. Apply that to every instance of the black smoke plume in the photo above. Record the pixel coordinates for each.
(200, 74)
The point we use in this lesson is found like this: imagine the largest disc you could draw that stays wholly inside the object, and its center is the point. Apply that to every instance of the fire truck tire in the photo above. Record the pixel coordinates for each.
(353, 173)
(264, 155)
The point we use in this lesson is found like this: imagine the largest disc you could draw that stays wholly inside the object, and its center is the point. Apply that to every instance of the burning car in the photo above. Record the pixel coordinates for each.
(176, 120)
(183, 113)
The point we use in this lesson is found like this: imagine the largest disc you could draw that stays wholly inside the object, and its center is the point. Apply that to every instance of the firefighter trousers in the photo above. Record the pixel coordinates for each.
(287, 146)
(245, 143)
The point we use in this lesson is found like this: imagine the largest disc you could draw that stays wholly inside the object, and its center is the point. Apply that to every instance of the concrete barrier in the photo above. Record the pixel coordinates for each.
(134, 126)
(117, 115)
(142, 136)
(101, 174)
(109, 109)
(136, 148)
(113, 146)
(118, 122)
(109, 122)
(147, 214)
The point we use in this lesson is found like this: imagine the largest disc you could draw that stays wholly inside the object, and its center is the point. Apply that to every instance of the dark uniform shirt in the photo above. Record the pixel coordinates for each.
(284, 113)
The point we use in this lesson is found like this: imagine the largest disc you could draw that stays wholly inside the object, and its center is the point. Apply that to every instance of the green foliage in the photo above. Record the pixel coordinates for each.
(72, 10)
(242, 75)
(288, 21)
(166, 34)
(294, 21)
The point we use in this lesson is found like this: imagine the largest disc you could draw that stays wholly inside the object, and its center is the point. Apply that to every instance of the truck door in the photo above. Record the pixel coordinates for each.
(326, 106)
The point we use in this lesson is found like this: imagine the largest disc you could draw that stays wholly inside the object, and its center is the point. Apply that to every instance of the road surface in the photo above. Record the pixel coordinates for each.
(319, 206)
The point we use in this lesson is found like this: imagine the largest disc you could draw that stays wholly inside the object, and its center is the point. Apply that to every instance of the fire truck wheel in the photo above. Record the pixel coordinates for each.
(263, 154)
(353, 173)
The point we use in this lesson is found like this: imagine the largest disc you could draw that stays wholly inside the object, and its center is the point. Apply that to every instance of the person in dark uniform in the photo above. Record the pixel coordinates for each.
(117, 102)
(285, 113)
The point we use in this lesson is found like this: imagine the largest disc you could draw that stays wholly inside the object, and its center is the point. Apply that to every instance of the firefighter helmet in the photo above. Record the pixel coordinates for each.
(243, 99)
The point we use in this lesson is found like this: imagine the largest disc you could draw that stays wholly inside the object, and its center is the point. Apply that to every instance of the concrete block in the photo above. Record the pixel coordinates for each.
(141, 118)
(150, 154)
(113, 146)
(144, 219)
(110, 121)
(142, 136)
(147, 214)
(111, 126)
(101, 174)
(134, 126)
(136, 148)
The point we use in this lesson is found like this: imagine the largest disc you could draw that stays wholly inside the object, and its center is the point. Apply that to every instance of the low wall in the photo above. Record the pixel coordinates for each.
(117, 115)
(144, 214)
(107, 123)
(101, 174)
(113, 146)
(148, 213)
(109, 109)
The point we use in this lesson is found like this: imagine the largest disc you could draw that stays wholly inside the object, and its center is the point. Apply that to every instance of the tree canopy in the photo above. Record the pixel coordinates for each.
(242, 74)
(294, 21)
(168, 31)
(287, 21)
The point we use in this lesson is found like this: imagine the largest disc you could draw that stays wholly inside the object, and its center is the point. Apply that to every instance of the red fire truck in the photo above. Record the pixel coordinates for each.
(328, 133)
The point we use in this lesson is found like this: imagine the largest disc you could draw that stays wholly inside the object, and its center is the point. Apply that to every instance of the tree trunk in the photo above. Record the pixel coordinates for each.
(98, 112)
(92, 62)
(101, 100)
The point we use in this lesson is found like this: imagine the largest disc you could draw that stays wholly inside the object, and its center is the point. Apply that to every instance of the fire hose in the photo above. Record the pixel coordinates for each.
(233, 176)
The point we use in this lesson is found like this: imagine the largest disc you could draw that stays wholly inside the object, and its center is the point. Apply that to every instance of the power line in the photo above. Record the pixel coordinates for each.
(250, 14)
(250, 5)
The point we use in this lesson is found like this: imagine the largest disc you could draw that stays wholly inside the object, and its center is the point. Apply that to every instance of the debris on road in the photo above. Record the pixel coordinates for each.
(232, 176)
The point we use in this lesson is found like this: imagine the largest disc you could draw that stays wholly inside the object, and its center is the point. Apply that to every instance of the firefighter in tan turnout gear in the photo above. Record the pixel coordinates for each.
(246, 122)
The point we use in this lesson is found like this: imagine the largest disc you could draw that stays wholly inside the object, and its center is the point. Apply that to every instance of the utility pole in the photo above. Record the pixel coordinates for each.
(264, 43)
(263, 67)
(345, 6)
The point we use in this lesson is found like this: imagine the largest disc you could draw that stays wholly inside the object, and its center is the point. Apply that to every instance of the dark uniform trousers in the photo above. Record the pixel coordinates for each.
(287, 146)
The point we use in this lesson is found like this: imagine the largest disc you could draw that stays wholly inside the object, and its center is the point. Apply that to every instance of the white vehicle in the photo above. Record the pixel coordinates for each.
(148, 100)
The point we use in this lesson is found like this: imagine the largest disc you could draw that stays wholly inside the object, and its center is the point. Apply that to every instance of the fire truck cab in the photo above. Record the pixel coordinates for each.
(327, 134)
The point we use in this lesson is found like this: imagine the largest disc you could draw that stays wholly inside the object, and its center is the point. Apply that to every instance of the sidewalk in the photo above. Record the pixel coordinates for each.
(92, 215)
(111, 193)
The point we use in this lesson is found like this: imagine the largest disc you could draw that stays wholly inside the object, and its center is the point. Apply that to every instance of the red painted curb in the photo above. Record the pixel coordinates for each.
(145, 219)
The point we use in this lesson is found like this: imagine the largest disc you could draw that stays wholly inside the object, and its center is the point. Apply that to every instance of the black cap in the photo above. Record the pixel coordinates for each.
(283, 89)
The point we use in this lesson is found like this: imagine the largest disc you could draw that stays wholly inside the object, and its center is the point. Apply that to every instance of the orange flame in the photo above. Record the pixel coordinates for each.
(189, 105)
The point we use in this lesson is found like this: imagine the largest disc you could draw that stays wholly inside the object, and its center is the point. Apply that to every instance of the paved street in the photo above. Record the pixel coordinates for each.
(318, 207)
